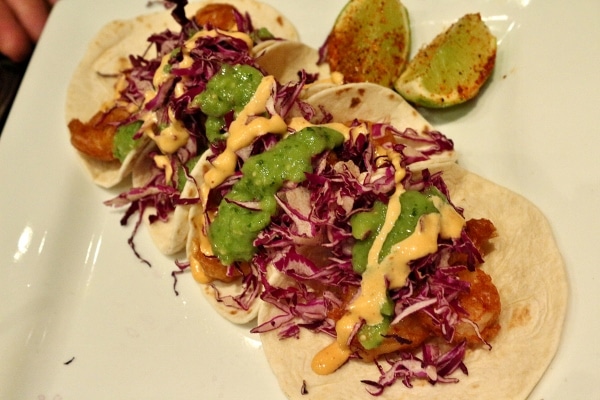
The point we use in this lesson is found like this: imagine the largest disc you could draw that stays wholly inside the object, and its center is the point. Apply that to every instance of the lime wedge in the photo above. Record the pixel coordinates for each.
(453, 67)
(370, 41)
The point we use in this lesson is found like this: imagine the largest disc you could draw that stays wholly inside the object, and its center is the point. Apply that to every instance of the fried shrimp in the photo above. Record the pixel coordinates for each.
(217, 15)
(478, 313)
(482, 303)
(480, 231)
(212, 269)
(95, 137)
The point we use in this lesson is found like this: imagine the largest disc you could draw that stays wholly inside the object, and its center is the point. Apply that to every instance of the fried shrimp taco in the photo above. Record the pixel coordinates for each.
(136, 104)
(447, 329)
(424, 288)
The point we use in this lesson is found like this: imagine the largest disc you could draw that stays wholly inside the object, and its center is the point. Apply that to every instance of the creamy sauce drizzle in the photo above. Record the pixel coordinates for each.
(170, 139)
(196, 246)
(163, 162)
(299, 123)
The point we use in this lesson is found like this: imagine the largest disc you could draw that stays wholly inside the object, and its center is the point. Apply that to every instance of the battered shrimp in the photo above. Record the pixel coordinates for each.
(480, 231)
(213, 269)
(95, 138)
(217, 15)
(481, 325)
(482, 303)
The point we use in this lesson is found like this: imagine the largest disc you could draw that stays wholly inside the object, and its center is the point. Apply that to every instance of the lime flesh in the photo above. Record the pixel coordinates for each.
(370, 41)
(453, 67)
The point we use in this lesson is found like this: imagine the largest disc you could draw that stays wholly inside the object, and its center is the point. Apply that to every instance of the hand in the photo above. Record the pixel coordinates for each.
(21, 23)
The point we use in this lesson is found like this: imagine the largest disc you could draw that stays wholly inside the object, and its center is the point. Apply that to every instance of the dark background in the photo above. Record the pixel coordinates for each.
(10, 78)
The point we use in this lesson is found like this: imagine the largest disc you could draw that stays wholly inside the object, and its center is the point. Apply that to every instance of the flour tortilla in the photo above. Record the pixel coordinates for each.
(529, 273)
(169, 236)
(92, 85)
(285, 59)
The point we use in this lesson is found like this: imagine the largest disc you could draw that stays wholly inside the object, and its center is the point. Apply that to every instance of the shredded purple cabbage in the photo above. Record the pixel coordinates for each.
(433, 366)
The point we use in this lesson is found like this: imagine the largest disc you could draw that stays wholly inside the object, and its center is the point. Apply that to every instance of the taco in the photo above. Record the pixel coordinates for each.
(141, 120)
(490, 298)
(527, 270)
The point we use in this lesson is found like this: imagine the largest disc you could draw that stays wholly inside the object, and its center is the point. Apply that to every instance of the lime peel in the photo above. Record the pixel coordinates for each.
(453, 67)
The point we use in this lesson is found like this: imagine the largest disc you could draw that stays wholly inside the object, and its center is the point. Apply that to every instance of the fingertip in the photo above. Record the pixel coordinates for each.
(16, 50)
(14, 40)
(30, 15)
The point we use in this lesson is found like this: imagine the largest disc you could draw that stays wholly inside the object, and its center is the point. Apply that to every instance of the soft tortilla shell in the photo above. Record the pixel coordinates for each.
(285, 59)
(529, 272)
(368, 100)
(169, 236)
(93, 81)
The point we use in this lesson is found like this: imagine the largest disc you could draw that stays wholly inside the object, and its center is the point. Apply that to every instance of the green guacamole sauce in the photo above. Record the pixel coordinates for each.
(234, 229)
(123, 142)
(366, 226)
(230, 89)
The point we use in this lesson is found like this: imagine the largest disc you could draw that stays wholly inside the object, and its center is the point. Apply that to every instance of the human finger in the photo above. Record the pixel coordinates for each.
(32, 15)
(15, 42)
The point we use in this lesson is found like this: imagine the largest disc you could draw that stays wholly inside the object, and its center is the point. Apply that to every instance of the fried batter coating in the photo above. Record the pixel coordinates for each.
(213, 269)
(95, 137)
(480, 231)
(482, 303)
(217, 15)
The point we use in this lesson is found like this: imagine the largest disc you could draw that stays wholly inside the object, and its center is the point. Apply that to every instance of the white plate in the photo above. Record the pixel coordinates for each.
(73, 291)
